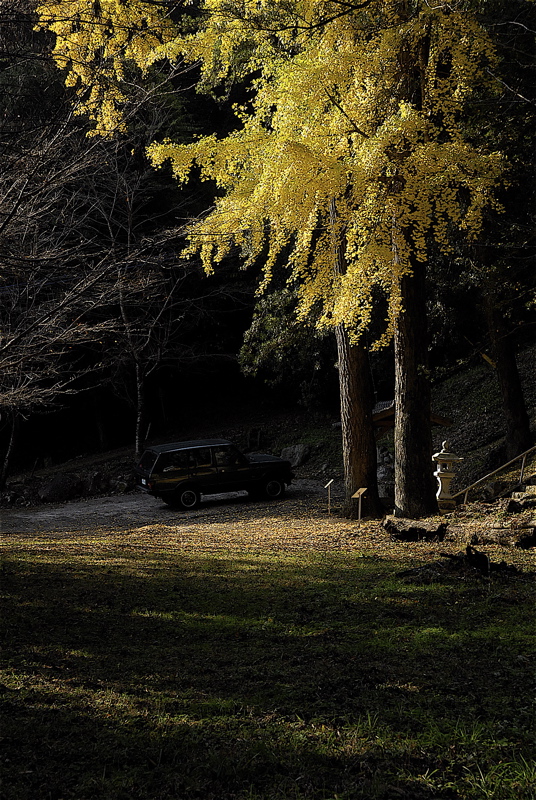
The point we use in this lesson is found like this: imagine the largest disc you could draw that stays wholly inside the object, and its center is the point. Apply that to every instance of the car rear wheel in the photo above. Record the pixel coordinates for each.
(273, 488)
(187, 498)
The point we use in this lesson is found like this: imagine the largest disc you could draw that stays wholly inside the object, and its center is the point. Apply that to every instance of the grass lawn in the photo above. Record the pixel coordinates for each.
(139, 668)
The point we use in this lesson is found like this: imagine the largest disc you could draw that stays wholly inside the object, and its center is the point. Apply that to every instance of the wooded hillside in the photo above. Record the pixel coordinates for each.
(197, 200)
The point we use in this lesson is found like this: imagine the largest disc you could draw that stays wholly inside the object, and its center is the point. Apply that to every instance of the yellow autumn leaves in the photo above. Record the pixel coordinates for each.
(355, 109)
(95, 42)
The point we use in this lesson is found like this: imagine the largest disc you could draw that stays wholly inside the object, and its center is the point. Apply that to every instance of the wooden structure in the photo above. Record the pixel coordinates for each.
(383, 418)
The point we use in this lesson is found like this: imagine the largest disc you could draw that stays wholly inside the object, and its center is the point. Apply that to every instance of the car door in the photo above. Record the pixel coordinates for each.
(232, 466)
(204, 470)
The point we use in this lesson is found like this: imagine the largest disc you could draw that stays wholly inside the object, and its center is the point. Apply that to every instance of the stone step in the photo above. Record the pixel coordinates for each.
(525, 491)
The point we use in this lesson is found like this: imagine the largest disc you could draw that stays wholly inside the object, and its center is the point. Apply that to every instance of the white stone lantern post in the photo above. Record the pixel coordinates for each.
(444, 475)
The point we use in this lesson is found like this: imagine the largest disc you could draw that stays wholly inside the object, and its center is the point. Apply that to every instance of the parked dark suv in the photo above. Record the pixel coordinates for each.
(180, 472)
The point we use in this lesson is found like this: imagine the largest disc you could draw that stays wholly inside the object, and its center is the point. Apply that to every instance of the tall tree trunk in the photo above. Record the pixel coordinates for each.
(139, 374)
(140, 410)
(356, 397)
(358, 442)
(414, 481)
(6, 462)
(518, 435)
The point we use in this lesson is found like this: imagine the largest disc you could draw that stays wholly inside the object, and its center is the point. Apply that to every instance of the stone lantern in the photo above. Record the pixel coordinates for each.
(444, 475)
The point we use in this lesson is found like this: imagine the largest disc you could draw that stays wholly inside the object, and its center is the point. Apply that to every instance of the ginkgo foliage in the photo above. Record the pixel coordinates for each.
(95, 43)
(342, 120)
(358, 104)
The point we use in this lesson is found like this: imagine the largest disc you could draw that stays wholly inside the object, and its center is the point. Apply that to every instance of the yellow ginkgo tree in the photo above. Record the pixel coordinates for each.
(348, 167)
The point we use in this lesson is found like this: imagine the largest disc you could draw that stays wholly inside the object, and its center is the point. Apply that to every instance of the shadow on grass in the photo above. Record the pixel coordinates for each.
(180, 676)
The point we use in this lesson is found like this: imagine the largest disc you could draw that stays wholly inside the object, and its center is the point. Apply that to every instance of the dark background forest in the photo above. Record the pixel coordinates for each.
(109, 336)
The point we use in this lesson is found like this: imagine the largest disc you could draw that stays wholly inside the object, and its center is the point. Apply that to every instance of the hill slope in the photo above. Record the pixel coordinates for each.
(469, 396)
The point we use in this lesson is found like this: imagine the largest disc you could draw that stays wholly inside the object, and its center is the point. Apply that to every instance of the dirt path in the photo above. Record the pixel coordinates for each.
(134, 521)
(136, 511)
(126, 525)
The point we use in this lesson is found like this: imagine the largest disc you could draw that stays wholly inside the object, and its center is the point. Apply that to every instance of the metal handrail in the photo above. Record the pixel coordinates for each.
(524, 455)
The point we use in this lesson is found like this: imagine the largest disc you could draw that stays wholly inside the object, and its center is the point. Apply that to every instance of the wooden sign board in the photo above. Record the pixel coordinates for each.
(358, 496)
(328, 487)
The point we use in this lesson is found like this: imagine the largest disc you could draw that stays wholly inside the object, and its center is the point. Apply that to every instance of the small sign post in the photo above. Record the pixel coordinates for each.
(328, 487)
(358, 496)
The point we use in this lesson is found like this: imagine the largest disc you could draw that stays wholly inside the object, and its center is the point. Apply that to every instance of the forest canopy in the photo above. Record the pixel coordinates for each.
(351, 130)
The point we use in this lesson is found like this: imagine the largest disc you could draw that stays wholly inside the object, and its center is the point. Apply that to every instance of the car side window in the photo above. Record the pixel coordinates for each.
(175, 460)
(202, 457)
(223, 456)
(228, 456)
